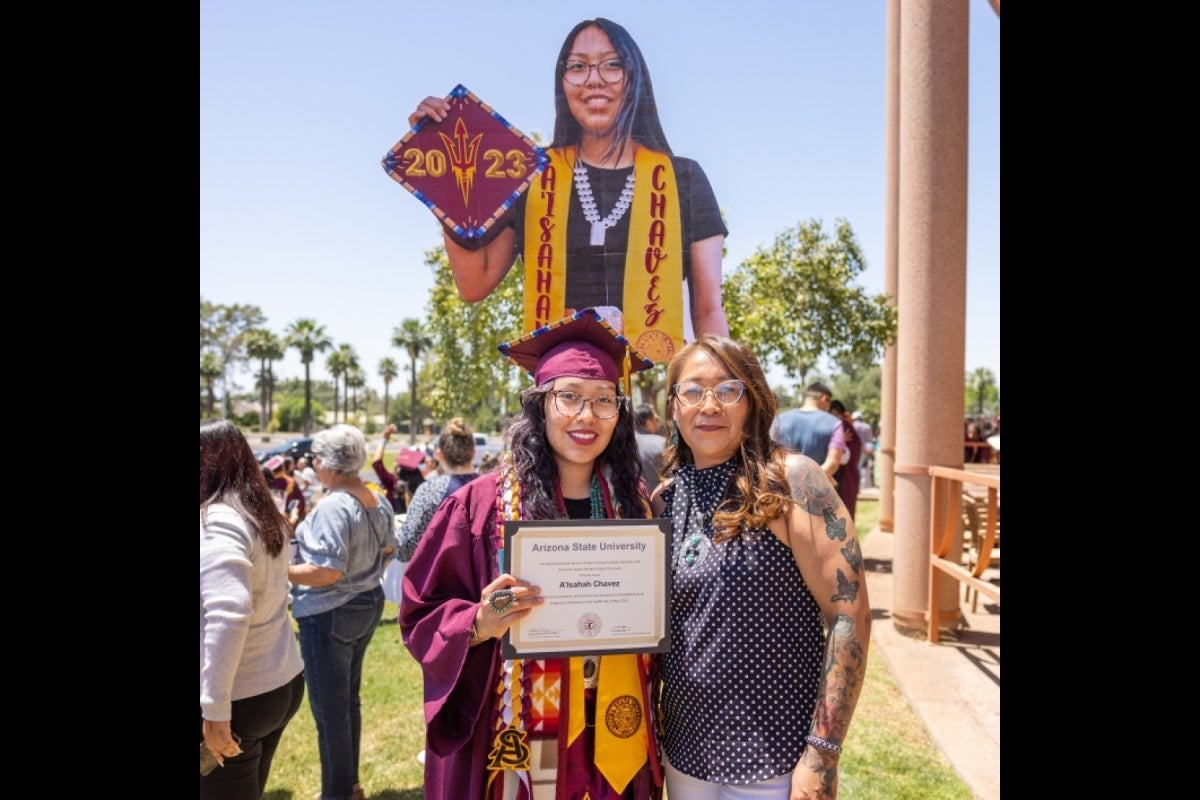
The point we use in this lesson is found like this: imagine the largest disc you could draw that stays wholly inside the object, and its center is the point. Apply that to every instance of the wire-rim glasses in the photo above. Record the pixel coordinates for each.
(570, 404)
(577, 73)
(690, 393)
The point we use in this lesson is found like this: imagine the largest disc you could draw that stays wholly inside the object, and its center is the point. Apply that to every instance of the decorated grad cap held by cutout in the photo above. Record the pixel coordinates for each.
(469, 169)
(585, 344)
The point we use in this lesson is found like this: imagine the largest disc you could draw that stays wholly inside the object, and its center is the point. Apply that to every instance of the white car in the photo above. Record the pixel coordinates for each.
(484, 445)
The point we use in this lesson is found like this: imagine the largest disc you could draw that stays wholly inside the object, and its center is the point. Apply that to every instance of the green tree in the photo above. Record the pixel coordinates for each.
(266, 347)
(411, 337)
(355, 380)
(388, 370)
(794, 303)
(223, 331)
(336, 365)
(293, 411)
(350, 359)
(210, 370)
(981, 391)
(308, 337)
(859, 385)
(467, 375)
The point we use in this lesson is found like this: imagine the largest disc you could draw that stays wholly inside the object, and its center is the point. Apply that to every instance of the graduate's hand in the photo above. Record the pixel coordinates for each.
(502, 602)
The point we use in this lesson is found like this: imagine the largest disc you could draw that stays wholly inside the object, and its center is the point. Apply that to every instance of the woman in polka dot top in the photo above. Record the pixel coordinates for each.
(770, 621)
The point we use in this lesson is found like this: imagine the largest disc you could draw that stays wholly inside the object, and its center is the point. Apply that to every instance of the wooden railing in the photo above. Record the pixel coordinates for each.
(945, 514)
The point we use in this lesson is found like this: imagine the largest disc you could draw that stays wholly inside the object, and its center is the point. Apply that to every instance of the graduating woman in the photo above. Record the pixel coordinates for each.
(524, 728)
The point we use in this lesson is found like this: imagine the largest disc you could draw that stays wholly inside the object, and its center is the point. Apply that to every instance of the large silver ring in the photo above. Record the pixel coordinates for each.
(501, 594)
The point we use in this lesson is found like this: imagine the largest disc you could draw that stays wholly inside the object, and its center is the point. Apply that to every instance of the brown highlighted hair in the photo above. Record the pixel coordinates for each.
(230, 474)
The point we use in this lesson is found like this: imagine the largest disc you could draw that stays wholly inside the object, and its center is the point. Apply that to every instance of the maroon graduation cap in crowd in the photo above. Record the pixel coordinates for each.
(409, 458)
(467, 169)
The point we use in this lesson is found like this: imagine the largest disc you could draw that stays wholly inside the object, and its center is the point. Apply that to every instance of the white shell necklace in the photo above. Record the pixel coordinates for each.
(583, 188)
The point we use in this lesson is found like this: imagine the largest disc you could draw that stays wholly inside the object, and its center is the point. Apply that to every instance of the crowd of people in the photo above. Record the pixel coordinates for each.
(981, 439)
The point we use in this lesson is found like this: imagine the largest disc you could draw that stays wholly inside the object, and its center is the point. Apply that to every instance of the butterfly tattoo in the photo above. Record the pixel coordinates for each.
(847, 589)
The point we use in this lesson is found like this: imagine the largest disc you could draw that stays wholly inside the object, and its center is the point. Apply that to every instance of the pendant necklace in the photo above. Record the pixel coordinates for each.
(691, 550)
(583, 188)
(694, 521)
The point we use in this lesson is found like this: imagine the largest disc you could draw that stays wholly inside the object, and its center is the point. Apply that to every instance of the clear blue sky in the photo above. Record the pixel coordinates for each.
(782, 103)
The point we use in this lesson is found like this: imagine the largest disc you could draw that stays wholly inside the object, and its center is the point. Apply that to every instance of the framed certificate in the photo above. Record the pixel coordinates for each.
(606, 583)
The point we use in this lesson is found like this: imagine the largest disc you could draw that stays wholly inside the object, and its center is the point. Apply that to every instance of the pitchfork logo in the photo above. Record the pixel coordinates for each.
(462, 157)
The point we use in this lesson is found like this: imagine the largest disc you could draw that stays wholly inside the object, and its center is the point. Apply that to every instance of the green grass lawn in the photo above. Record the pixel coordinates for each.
(888, 753)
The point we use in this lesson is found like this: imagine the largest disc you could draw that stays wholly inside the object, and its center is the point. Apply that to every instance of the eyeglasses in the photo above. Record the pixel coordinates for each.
(578, 72)
(726, 393)
(570, 404)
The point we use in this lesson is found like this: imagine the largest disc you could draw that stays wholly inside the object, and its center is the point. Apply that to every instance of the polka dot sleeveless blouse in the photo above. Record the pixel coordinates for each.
(747, 640)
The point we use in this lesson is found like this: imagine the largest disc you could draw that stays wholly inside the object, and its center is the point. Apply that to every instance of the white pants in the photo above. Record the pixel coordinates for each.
(685, 787)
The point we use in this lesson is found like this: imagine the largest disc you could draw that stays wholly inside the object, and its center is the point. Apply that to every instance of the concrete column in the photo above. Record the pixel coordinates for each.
(932, 230)
(886, 455)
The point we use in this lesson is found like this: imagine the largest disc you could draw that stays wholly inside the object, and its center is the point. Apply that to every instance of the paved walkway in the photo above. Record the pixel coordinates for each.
(954, 685)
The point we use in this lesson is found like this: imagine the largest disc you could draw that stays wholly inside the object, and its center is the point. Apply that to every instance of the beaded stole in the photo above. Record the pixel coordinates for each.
(529, 691)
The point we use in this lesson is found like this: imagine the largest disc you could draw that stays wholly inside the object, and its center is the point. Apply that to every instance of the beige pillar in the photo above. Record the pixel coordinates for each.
(932, 230)
(886, 455)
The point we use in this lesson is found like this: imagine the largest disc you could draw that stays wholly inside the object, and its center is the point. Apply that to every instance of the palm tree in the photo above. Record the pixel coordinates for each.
(308, 337)
(266, 347)
(356, 379)
(276, 355)
(210, 370)
(410, 336)
(388, 370)
(350, 363)
(336, 366)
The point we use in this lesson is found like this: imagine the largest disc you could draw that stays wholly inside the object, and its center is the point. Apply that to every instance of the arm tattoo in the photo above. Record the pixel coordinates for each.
(853, 554)
(847, 589)
(835, 528)
(841, 681)
(812, 490)
(815, 494)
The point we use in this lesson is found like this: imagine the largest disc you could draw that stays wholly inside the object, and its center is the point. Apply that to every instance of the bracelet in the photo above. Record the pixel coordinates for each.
(475, 637)
(823, 744)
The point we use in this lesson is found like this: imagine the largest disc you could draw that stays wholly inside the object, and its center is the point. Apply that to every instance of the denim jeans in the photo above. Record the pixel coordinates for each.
(333, 645)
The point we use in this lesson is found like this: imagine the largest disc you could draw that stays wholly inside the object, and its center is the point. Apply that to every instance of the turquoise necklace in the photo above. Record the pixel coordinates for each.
(598, 498)
(694, 522)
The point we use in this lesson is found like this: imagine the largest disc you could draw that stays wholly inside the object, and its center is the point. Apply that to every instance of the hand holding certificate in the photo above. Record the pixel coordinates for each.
(604, 583)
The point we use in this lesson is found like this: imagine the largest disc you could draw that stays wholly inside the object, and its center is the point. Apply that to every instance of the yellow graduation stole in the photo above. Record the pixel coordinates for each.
(621, 726)
(652, 297)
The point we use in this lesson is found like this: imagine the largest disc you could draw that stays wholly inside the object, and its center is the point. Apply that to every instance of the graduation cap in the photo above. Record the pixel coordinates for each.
(409, 458)
(584, 345)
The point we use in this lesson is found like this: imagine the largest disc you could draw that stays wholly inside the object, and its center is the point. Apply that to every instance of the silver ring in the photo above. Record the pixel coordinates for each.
(506, 594)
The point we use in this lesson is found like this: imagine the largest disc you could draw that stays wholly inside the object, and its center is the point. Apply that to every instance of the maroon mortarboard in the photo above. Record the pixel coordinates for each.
(469, 168)
(409, 458)
(583, 345)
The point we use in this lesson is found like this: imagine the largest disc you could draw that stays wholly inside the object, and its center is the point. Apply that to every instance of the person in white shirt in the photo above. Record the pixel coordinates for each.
(306, 478)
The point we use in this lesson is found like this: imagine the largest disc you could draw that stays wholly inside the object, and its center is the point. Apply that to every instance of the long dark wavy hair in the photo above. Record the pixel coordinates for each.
(637, 119)
(760, 492)
(230, 474)
(536, 470)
